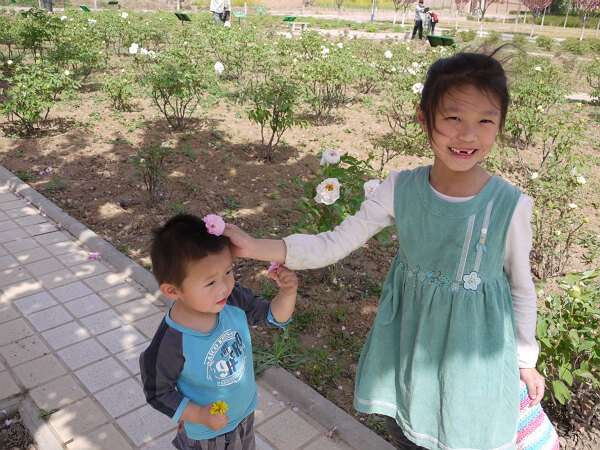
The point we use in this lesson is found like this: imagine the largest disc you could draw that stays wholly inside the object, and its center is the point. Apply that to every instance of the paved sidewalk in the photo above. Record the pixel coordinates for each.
(71, 330)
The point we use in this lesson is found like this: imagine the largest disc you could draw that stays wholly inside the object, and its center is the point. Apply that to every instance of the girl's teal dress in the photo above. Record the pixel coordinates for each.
(442, 355)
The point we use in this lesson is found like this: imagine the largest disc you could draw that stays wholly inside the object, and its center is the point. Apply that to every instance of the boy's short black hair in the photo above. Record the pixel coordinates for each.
(183, 239)
(477, 69)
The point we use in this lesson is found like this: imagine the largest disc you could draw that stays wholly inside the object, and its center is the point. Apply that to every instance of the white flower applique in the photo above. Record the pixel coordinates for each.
(471, 281)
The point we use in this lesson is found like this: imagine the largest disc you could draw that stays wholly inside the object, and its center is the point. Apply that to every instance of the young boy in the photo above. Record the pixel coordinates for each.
(201, 352)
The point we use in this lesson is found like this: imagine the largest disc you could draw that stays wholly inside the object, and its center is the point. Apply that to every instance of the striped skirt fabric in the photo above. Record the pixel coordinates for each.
(535, 431)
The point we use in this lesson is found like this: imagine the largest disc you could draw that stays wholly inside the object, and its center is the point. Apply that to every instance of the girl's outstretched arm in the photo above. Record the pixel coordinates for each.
(245, 246)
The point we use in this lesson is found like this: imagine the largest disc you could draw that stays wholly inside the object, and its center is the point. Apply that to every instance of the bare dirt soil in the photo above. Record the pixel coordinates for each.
(217, 166)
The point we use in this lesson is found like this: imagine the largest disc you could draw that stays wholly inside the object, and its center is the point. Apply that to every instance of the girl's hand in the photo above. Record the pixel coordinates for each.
(535, 384)
(285, 278)
(241, 243)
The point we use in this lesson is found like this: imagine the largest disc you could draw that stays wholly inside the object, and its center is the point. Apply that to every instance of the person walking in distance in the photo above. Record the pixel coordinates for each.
(419, 11)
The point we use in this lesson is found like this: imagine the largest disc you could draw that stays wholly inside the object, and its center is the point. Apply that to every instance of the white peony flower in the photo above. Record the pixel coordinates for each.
(151, 54)
(328, 191)
(573, 205)
(133, 49)
(370, 187)
(534, 175)
(340, 45)
(411, 71)
(9, 62)
(415, 65)
(63, 18)
(417, 88)
(143, 51)
(574, 171)
(219, 68)
(388, 54)
(67, 73)
(124, 15)
(580, 180)
(540, 108)
(227, 24)
(92, 21)
(324, 50)
(289, 35)
(330, 156)
(538, 68)
(164, 144)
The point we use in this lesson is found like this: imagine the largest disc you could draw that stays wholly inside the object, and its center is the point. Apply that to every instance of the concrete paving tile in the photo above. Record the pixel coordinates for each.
(59, 278)
(8, 262)
(39, 229)
(260, 444)
(30, 220)
(162, 443)
(16, 247)
(144, 424)
(49, 318)
(103, 321)
(8, 387)
(120, 294)
(74, 257)
(23, 350)
(71, 291)
(14, 330)
(3, 251)
(284, 436)
(20, 289)
(13, 204)
(7, 312)
(77, 418)
(38, 371)
(122, 397)
(89, 269)
(13, 236)
(104, 281)
(121, 338)
(34, 303)
(8, 196)
(15, 274)
(136, 309)
(101, 374)
(32, 255)
(130, 358)
(21, 212)
(62, 247)
(87, 305)
(82, 353)
(44, 266)
(65, 335)
(105, 437)
(268, 406)
(6, 225)
(53, 238)
(149, 325)
(325, 443)
(58, 393)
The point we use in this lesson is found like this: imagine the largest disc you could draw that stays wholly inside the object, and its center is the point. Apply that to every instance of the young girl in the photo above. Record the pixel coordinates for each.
(455, 328)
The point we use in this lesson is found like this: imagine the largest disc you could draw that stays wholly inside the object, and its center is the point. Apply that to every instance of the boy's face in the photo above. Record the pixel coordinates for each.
(207, 284)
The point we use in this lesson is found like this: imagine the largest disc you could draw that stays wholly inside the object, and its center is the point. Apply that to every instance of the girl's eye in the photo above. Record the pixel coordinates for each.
(452, 118)
(210, 284)
(487, 121)
(229, 272)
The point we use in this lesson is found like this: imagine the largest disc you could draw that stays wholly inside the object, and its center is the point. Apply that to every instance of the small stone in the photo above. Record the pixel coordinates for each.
(106, 174)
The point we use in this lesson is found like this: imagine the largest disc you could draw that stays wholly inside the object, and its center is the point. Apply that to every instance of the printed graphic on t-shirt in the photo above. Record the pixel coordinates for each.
(226, 359)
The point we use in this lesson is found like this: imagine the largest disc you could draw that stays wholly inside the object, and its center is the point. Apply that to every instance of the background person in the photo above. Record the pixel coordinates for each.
(419, 11)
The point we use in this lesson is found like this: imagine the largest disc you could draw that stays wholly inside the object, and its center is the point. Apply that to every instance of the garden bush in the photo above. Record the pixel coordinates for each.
(467, 36)
(545, 42)
(575, 46)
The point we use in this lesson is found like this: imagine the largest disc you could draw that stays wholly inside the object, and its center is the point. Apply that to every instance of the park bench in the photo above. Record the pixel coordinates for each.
(114, 3)
(434, 41)
(303, 25)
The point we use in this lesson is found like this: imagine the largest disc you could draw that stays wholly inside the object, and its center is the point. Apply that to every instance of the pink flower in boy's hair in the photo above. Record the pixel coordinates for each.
(274, 266)
(214, 224)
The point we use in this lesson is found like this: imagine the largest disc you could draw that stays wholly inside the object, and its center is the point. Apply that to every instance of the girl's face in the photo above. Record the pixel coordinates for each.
(465, 128)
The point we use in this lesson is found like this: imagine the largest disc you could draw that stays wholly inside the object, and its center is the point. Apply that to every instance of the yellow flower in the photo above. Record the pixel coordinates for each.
(219, 407)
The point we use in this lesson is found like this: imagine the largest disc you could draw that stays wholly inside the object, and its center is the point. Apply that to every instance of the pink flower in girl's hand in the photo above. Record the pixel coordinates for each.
(274, 266)
(214, 224)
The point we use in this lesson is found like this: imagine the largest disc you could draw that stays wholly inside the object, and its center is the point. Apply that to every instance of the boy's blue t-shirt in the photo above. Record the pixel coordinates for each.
(183, 365)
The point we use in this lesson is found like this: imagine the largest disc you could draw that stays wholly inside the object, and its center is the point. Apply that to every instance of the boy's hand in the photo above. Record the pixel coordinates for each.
(213, 421)
(535, 384)
(285, 278)
(241, 242)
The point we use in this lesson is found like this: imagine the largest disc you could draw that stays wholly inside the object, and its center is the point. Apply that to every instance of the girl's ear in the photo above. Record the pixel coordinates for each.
(421, 118)
(169, 291)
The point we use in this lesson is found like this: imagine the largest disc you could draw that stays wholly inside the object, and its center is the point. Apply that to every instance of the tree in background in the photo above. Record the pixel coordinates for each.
(458, 6)
(398, 4)
(340, 7)
(536, 7)
(584, 8)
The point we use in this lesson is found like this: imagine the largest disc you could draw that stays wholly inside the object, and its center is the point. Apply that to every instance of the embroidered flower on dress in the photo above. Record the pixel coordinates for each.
(214, 224)
(471, 281)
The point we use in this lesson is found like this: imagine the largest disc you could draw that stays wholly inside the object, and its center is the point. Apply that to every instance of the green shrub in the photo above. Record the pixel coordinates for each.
(575, 46)
(519, 40)
(467, 36)
(545, 42)
(493, 37)
(592, 74)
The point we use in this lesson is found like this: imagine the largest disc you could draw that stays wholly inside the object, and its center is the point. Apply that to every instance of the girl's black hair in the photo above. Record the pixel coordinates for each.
(183, 239)
(476, 69)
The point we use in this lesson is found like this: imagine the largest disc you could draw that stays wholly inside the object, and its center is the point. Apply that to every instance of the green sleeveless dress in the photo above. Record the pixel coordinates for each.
(441, 357)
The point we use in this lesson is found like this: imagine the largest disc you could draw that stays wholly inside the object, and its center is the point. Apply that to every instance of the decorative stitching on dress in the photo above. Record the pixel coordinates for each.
(431, 277)
(465, 250)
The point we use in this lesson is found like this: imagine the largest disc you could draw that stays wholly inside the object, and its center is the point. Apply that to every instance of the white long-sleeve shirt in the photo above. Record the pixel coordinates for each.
(377, 213)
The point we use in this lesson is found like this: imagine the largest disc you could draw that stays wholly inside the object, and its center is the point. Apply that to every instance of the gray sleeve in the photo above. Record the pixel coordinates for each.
(161, 365)
(256, 308)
